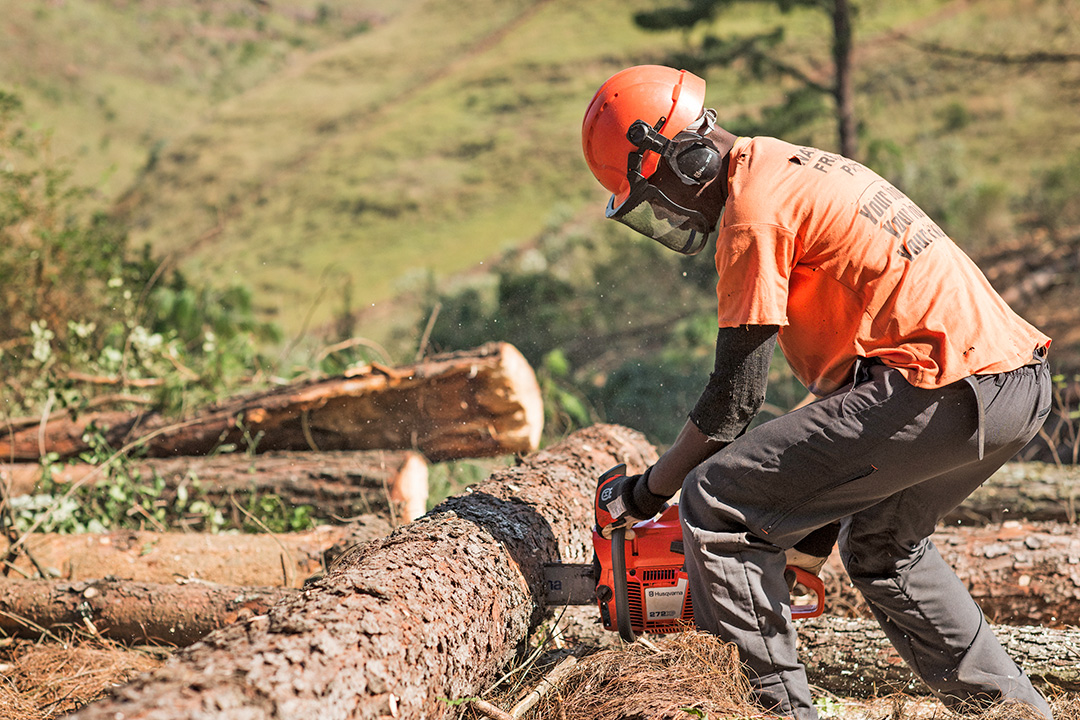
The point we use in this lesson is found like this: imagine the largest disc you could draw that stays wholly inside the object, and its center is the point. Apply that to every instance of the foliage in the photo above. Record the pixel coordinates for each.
(618, 328)
(1052, 200)
(764, 58)
(74, 298)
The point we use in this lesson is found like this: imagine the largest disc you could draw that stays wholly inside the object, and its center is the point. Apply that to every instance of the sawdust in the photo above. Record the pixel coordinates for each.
(49, 679)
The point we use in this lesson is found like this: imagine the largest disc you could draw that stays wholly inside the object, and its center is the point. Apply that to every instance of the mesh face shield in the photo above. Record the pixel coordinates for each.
(646, 209)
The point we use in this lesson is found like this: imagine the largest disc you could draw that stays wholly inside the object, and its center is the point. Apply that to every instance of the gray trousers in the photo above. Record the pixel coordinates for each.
(888, 460)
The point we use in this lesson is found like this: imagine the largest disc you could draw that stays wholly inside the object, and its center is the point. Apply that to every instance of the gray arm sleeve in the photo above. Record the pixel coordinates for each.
(736, 388)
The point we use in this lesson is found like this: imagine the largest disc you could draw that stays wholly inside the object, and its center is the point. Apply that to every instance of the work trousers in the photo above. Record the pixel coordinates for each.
(888, 460)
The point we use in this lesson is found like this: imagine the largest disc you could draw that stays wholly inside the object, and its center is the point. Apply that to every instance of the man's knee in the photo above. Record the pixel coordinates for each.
(872, 545)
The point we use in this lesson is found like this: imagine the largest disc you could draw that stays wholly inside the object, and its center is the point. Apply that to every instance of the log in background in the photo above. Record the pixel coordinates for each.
(261, 559)
(852, 657)
(434, 611)
(476, 403)
(152, 613)
(340, 483)
(1020, 573)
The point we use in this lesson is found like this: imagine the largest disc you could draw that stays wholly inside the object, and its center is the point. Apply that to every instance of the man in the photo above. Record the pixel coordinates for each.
(926, 383)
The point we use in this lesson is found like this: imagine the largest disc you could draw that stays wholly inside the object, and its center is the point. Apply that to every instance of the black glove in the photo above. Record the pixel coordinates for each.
(622, 500)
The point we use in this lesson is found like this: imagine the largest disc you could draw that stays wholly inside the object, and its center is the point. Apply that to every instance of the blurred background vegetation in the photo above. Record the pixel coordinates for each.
(198, 198)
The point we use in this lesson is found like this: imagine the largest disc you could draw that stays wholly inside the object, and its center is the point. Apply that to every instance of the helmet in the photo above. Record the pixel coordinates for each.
(644, 92)
(639, 116)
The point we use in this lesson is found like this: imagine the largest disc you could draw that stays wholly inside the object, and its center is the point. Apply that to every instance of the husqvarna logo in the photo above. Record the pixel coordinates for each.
(605, 494)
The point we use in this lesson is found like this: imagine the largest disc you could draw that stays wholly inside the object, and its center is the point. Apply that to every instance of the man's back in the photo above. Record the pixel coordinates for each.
(849, 266)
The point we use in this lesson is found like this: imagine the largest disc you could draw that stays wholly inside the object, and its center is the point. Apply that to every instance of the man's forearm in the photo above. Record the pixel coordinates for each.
(732, 397)
(689, 450)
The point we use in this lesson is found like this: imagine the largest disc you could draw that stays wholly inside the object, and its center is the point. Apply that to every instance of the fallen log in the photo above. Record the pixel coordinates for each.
(478, 403)
(853, 657)
(434, 611)
(1019, 573)
(151, 613)
(1033, 491)
(338, 484)
(246, 559)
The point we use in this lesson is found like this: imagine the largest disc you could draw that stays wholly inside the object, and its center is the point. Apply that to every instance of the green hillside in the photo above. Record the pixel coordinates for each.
(334, 155)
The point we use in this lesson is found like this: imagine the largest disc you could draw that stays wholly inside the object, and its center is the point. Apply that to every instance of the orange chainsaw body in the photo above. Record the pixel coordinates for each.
(657, 587)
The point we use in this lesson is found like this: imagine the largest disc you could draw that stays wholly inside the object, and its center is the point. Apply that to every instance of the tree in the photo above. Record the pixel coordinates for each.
(761, 55)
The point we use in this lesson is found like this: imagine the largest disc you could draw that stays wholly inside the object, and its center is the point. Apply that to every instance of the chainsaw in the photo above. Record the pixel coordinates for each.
(639, 581)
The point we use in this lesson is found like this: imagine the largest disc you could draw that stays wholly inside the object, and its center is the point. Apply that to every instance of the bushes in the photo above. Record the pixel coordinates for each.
(619, 329)
(74, 298)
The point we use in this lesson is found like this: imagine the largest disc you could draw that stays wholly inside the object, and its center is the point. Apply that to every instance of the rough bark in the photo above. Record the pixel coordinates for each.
(174, 614)
(434, 611)
(853, 657)
(1019, 573)
(1032, 491)
(479, 403)
(286, 559)
(338, 484)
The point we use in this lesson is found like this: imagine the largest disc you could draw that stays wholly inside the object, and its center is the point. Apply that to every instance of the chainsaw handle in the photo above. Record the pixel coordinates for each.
(814, 583)
(618, 570)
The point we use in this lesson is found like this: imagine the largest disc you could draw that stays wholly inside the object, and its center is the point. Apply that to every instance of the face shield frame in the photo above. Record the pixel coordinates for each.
(646, 209)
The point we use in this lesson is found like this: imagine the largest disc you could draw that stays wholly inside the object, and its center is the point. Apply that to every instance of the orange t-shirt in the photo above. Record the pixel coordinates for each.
(848, 266)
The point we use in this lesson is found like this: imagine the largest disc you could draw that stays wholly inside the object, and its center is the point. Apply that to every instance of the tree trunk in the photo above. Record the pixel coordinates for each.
(479, 403)
(338, 484)
(853, 657)
(434, 611)
(1019, 573)
(844, 92)
(174, 614)
(231, 559)
(1031, 491)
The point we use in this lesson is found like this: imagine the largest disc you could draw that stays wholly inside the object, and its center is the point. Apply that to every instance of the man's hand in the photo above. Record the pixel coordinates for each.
(812, 551)
(622, 500)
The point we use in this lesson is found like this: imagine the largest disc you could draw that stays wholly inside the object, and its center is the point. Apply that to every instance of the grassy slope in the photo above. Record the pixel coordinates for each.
(409, 149)
(315, 164)
(117, 79)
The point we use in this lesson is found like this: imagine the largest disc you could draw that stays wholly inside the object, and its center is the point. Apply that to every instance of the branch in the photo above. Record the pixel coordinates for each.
(1037, 57)
(109, 380)
(762, 63)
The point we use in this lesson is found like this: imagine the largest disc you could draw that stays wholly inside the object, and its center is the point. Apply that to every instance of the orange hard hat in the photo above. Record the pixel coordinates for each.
(643, 92)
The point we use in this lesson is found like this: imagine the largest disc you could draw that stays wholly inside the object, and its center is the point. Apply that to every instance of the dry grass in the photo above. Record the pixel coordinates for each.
(692, 676)
(688, 675)
(45, 680)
